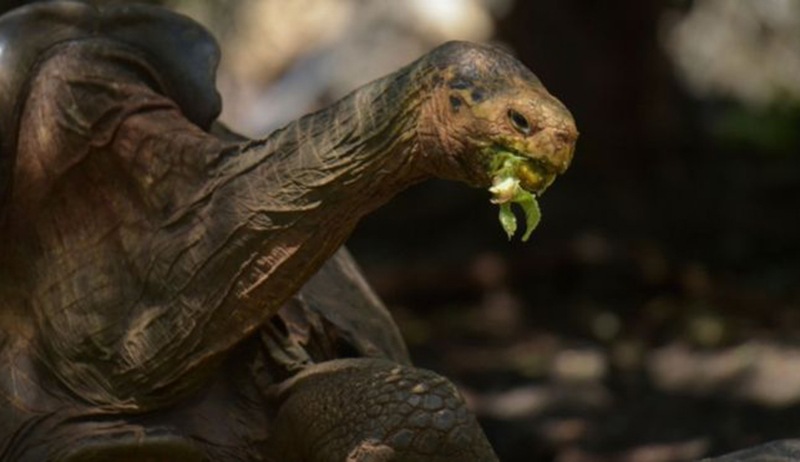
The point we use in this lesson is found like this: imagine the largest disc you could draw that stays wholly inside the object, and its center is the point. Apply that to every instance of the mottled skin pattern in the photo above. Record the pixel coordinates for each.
(159, 300)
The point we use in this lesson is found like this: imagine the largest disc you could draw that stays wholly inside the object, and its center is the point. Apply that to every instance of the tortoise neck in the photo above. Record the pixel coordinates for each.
(293, 198)
(217, 234)
(366, 143)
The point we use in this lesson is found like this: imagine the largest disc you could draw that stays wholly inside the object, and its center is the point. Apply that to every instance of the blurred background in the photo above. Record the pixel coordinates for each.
(655, 313)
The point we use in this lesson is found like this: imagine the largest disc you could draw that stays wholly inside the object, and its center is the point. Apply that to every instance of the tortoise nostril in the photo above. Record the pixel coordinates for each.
(565, 137)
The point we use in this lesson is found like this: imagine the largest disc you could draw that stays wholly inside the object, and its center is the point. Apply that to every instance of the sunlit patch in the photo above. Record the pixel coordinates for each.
(465, 19)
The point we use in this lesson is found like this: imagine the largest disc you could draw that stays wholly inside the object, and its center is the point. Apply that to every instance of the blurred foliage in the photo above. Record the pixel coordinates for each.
(748, 50)
(774, 130)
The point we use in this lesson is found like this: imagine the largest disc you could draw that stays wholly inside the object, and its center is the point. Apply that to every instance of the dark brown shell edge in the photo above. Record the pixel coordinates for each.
(182, 51)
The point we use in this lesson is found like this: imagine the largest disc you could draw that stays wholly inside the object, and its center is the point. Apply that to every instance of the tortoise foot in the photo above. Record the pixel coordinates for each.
(360, 410)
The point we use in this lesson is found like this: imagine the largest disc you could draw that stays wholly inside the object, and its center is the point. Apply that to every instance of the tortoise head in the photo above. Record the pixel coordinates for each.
(484, 103)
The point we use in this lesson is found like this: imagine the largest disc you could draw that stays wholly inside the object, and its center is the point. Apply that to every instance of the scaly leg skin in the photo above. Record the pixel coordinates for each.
(374, 410)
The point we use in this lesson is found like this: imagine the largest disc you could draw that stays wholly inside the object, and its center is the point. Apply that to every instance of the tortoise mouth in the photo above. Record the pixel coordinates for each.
(533, 170)
(535, 175)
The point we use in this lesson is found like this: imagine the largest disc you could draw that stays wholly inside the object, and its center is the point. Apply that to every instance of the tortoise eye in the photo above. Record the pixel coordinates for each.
(519, 122)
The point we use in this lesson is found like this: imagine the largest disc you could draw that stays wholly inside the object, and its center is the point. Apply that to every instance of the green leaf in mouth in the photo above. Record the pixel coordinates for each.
(506, 190)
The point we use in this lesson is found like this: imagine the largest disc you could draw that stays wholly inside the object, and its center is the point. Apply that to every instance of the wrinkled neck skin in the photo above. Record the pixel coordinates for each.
(299, 193)
(158, 246)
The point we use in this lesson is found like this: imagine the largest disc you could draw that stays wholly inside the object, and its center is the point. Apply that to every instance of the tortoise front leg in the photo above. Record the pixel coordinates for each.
(374, 410)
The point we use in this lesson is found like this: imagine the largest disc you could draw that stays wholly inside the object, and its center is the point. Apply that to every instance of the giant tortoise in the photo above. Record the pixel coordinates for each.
(170, 290)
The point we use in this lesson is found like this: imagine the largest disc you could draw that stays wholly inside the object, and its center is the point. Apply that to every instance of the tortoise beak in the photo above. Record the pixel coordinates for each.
(551, 154)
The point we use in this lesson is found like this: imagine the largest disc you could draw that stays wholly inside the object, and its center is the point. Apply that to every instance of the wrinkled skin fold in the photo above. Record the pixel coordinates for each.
(176, 294)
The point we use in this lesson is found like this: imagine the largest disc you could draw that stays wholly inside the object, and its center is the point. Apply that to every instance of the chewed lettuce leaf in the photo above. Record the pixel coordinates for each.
(530, 208)
(507, 220)
(506, 190)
